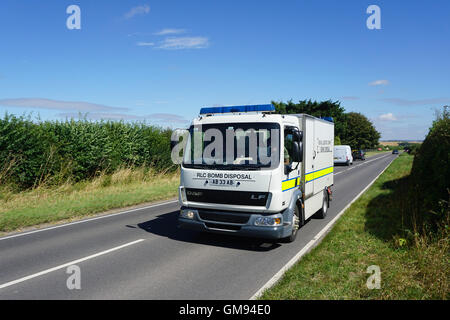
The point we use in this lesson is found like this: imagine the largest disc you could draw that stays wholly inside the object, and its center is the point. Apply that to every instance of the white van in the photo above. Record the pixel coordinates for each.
(343, 155)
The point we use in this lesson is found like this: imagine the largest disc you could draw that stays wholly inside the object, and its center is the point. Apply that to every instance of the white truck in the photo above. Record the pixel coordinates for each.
(275, 173)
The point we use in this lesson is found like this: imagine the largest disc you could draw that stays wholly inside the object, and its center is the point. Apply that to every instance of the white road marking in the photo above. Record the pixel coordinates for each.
(86, 220)
(313, 242)
(8, 284)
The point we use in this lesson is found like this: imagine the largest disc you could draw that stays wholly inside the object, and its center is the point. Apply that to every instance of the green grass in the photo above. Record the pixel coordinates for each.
(371, 232)
(126, 187)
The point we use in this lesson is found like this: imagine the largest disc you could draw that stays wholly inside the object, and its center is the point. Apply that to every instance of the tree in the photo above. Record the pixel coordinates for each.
(360, 133)
(337, 141)
(317, 109)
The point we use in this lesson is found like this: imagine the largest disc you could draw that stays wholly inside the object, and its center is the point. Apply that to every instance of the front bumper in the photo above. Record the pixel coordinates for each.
(219, 222)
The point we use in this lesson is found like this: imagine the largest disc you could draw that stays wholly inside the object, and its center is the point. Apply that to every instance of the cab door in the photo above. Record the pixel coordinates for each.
(291, 173)
(310, 155)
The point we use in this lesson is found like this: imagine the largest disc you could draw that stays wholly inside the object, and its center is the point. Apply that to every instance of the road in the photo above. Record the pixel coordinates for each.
(141, 255)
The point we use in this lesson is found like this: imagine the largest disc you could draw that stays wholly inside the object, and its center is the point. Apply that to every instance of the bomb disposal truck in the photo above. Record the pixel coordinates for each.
(240, 191)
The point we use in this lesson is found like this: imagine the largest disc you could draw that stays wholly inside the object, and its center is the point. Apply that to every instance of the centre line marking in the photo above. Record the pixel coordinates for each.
(67, 264)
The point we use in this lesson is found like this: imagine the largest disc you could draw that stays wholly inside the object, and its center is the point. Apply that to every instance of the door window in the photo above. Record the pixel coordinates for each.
(288, 142)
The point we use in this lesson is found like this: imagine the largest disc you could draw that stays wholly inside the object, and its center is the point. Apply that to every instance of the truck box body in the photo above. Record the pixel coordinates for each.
(245, 201)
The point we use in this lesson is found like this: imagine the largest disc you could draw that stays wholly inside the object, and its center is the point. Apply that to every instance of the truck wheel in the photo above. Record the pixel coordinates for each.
(298, 220)
(323, 212)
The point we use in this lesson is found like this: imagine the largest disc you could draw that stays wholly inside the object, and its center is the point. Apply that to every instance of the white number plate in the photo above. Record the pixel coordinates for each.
(222, 182)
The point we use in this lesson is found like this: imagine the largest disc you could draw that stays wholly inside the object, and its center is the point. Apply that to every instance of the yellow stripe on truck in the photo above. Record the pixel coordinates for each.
(292, 183)
(320, 173)
(288, 184)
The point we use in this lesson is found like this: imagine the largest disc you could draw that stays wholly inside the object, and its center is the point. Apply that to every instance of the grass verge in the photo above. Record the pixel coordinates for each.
(126, 187)
(372, 232)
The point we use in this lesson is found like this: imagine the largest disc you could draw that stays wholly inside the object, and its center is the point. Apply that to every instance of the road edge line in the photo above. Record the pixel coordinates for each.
(315, 241)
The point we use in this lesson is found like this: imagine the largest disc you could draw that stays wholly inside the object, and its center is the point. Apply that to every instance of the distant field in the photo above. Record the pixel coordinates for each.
(395, 143)
(389, 143)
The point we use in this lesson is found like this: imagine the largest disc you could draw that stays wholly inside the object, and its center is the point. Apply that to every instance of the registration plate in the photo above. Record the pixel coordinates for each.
(222, 182)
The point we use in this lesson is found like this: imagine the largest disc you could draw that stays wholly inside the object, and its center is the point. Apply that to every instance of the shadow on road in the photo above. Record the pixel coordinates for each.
(165, 225)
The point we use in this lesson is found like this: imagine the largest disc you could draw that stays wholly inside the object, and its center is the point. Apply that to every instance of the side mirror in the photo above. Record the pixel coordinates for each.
(297, 151)
(298, 135)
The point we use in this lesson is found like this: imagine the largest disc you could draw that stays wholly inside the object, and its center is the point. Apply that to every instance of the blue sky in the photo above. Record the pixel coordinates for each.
(163, 60)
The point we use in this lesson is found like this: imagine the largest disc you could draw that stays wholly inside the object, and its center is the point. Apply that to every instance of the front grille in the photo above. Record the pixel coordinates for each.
(222, 226)
(224, 217)
(245, 198)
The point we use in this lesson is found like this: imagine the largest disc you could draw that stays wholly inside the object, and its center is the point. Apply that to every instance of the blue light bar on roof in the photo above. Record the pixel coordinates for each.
(232, 109)
(330, 119)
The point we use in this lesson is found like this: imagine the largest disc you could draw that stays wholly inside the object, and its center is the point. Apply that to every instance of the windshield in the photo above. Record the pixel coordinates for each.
(234, 146)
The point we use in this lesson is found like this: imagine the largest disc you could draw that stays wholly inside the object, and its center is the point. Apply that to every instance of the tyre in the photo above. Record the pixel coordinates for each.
(322, 213)
(298, 220)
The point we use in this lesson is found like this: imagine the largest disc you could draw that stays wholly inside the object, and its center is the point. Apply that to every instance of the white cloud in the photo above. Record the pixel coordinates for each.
(379, 83)
(40, 103)
(387, 117)
(184, 43)
(139, 10)
(99, 116)
(145, 44)
(169, 31)
(167, 118)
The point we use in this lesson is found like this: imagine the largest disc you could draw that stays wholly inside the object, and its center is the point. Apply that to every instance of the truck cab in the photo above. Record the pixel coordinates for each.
(249, 172)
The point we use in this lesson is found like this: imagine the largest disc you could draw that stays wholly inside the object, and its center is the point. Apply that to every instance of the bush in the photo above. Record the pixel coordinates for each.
(431, 173)
(32, 153)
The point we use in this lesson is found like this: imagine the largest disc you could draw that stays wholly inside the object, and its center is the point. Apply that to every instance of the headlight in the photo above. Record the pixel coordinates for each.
(188, 213)
(267, 221)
